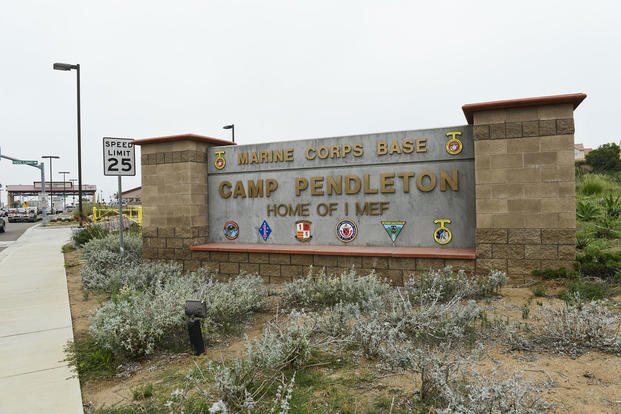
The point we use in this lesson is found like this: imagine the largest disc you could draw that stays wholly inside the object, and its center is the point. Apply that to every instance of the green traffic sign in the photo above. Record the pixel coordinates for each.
(26, 162)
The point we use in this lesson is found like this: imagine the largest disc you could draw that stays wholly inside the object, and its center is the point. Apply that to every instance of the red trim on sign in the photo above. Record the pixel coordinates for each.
(571, 98)
(428, 252)
(182, 137)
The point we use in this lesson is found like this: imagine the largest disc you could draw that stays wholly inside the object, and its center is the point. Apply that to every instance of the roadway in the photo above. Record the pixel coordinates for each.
(12, 232)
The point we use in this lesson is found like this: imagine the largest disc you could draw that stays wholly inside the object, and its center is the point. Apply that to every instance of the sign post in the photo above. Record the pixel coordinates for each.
(119, 160)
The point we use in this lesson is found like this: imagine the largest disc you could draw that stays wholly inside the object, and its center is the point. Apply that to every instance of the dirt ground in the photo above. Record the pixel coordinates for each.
(590, 383)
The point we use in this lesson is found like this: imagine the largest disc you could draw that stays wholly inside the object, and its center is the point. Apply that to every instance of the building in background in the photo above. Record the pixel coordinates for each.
(133, 197)
(580, 152)
(59, 190)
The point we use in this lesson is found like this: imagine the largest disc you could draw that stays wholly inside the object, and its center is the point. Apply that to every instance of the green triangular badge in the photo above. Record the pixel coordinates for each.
(393, 228)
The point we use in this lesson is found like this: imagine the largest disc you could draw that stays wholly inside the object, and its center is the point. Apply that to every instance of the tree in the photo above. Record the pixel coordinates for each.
(605, 158)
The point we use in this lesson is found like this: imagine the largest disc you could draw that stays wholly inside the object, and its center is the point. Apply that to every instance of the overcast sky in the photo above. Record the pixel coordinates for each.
(287, 69)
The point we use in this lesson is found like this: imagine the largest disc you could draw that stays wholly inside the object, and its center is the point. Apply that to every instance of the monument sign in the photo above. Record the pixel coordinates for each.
(409, 188)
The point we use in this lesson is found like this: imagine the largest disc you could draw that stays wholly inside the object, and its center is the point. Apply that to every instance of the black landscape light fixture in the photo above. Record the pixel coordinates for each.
(232, 128)
(51, 157)
(67, 67)
(64, 174)
(196, 310)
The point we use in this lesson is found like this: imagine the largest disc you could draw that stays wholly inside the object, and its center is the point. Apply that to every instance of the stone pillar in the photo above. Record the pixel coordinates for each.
(174, 194)
(524, 183)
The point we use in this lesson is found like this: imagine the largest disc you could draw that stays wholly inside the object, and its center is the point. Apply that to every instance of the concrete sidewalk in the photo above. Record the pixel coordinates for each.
(35, 325)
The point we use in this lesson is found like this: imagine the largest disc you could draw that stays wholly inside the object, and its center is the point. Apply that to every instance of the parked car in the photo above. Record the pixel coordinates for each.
(2, 224)
(12, 216)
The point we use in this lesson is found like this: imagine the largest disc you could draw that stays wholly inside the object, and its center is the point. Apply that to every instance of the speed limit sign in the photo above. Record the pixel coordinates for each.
(119, 156)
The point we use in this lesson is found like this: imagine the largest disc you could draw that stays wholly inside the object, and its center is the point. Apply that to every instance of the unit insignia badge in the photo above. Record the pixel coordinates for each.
(219, 162)
(265, 230)
(454, 145)
(442, 235)
(303, 230)
(393, 228)
(346, 230)
(231, 230)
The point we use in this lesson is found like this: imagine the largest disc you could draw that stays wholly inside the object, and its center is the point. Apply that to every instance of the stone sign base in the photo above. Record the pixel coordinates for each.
(395, 264)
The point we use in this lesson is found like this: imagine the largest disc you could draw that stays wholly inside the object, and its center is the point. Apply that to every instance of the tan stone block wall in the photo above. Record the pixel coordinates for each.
(280, 268)
(525, 189)
(174, 187)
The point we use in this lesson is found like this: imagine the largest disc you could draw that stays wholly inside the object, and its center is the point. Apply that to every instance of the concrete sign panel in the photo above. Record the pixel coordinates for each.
(408, 188)
(119, 156)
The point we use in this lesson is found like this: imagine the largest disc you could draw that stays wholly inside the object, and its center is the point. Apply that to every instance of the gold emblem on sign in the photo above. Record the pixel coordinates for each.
(219, 162)
(442, 235)
(454, 145)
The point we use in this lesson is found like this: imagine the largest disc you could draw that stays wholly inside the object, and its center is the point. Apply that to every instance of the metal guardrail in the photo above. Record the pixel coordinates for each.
(132, 213)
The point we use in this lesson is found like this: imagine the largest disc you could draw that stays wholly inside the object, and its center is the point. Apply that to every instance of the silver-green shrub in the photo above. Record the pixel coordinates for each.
(140, 276)
(102, 257)
(231, 303)
(281, 346)
(136, 322)
(381, 329)
(242, 381)
(324, 291)
(577, 327)
(449, 387)
(444, 284)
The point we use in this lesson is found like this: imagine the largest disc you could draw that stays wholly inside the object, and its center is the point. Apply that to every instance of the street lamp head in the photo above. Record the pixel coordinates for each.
(64, 66)
(228, 126)
(50, 156)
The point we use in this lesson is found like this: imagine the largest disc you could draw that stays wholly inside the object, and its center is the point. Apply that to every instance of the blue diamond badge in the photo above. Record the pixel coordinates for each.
(265, 230)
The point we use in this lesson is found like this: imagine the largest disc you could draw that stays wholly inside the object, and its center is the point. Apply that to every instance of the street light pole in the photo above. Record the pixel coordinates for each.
(51, 157)
(67, 67)
(64, 173)
(232, 128)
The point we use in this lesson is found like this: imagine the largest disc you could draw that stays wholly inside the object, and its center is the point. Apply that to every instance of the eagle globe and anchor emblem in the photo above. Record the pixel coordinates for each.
(454, 145)
(219, 162)
(442, 235)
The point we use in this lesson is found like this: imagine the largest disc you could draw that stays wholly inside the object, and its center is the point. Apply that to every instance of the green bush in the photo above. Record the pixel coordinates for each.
(586, 290)
(560, 273)
(88, 359)
(89, 233)
(142, 392)
(586, 210)
(594, 184)
(539, 291)
(583, 240)
(606, 227)
(605, 158)
(612, 205)
(68, 247)
(603, 265)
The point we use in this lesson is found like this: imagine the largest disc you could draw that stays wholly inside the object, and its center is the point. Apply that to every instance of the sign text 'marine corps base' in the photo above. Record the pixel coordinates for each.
(356, 190)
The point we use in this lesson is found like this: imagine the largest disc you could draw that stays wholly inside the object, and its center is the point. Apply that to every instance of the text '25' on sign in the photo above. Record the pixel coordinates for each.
(119, 156)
